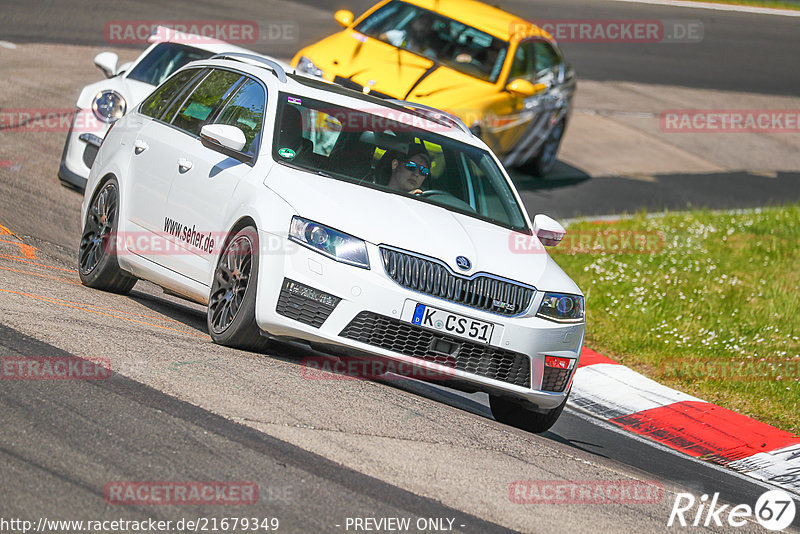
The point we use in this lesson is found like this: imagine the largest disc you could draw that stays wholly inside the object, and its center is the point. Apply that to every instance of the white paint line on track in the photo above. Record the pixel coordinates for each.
(719, 7)
(8, 44)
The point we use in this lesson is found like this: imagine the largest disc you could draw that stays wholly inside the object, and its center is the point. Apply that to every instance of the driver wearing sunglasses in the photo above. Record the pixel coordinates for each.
(408, 173)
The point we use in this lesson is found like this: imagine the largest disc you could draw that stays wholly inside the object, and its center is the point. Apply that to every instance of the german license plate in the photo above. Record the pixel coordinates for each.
(452, 323)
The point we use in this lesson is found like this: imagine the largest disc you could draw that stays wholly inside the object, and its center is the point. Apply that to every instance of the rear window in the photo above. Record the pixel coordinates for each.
(201, 106)
(155, 104)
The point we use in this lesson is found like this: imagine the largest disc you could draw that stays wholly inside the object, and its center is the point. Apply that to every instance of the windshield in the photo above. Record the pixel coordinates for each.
(165, 59)
(445, 41)
(369, 147)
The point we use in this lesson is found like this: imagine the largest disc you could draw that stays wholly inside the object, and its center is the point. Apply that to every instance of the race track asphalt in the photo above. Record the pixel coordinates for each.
(181, 408)
(738, 51)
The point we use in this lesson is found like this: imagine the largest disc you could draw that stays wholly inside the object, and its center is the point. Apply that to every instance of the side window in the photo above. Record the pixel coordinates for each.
(246, 111)
(547, 60)
(522, 67)
(157, 102)
(205, 100)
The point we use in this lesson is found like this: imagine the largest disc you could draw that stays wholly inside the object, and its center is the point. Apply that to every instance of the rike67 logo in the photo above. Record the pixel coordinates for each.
(774, 510)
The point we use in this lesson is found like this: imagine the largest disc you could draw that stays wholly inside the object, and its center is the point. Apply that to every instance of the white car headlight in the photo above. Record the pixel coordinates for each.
(307, 66)
(562, 308)
(332, 243)
(109, 106)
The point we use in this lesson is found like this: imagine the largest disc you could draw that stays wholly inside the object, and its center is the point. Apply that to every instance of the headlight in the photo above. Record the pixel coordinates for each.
(561, 307)
(108, 106)
(307, 66)
(332, 243)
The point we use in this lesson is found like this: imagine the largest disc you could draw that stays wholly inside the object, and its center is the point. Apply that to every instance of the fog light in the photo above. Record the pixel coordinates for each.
(310, 293)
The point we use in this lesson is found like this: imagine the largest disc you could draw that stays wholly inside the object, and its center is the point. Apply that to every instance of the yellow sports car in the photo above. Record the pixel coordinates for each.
(503, 76)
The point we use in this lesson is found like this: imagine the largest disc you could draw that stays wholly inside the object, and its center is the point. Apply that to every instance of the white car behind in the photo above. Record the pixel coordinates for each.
(102, 103)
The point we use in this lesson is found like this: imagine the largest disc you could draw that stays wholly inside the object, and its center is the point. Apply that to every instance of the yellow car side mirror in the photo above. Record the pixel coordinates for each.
(344, 17)
(524, 88)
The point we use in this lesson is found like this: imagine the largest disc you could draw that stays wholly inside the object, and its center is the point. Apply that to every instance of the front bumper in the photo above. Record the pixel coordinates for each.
(80, 148)
(371, 315)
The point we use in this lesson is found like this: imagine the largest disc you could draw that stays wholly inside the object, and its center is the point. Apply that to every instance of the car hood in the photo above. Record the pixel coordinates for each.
(383, 218)
(132, 91)
(395, 72)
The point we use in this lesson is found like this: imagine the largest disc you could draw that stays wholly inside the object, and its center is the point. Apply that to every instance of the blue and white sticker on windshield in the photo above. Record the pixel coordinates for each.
(295, 100)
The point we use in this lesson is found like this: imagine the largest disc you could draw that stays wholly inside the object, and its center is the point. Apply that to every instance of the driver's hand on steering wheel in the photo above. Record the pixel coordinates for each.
(416, 192)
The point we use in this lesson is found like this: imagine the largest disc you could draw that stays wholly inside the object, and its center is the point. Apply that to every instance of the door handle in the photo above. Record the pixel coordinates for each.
(140, 146)
(184, 164)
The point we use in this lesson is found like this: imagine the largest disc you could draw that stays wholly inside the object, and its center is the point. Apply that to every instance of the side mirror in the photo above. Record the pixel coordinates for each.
(107, 62)
(524, 88)
(344, 17)
(548, 230)
(226, 139)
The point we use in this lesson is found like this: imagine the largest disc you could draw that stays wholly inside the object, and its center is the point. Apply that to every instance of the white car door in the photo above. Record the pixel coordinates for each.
(150, 175)
(206, 179)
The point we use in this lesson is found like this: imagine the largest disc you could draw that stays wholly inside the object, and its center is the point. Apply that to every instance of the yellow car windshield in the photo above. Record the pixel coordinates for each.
(443, 40)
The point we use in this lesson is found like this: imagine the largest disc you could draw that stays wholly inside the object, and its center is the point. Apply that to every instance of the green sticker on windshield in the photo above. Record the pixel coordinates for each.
(286, 153)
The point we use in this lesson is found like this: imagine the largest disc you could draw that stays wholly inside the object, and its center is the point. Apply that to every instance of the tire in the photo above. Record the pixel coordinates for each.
(515, 414)
(97, 255)
(231, 315)
(544, 161)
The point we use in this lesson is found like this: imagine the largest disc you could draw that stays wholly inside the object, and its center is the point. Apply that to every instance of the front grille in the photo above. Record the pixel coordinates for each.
(350, 84)
(294, 302)
(412, 340)
(555, 379)
(435, 278)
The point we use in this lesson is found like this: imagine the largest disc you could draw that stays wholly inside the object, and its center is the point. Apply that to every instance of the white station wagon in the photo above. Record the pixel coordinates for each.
(301, 210)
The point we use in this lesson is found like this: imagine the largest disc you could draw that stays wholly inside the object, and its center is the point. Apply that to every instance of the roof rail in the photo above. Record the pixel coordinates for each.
(276, 68)
(442, 115)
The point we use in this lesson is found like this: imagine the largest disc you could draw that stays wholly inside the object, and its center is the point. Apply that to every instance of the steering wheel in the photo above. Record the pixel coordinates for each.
(431, 192)
(448, 199)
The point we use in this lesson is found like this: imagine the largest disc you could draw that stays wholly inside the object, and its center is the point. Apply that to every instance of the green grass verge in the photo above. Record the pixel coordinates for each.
(711, 307)
(774, 4)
